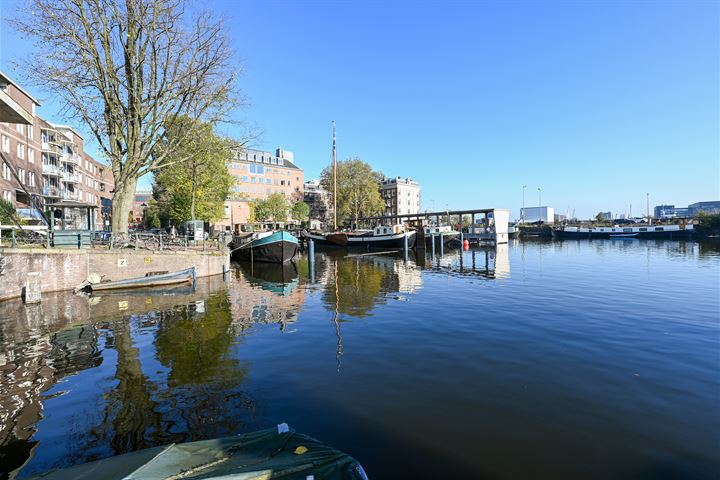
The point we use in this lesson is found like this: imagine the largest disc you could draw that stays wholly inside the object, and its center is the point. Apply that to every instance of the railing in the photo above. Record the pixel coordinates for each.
(72, 158)
(17, 238)
(51, 191)
(68, 195)
(49, 169)
(70, 177)
(52, 147)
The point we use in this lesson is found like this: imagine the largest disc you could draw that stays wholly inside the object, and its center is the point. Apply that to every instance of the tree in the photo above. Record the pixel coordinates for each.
(196, 181)
(358, 188)
(8, 214)
(275, 207)
(127, 68)
(300, 212)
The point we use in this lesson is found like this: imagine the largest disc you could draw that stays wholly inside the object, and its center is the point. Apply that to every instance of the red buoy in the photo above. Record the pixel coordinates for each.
(466, 244)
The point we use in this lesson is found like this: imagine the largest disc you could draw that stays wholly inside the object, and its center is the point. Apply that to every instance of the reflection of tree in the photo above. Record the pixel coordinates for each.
(204, 375)
(356, 287)
(134, 413)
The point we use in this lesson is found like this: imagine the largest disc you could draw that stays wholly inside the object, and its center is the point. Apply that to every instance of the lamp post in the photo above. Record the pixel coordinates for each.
(539, 197)
(522, 211)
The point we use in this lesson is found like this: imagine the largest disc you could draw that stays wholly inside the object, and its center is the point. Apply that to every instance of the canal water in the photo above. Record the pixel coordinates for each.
(575, 359)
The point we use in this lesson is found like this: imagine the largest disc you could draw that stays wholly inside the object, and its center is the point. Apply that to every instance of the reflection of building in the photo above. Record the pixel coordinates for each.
(401, 196)
(257, 175)
(319, 201)
(47, 162)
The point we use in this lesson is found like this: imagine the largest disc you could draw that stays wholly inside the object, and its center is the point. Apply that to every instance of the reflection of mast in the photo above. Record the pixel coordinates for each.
(334, 180)
(336, 319)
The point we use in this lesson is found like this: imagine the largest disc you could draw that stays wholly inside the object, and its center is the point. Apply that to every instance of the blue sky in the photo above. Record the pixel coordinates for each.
(596, 103)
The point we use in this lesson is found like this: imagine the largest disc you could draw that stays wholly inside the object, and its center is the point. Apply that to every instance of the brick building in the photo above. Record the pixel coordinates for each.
(47, 162)
(258, 174)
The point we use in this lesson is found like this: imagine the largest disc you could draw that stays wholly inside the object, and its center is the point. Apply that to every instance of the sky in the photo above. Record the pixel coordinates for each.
(595, 103)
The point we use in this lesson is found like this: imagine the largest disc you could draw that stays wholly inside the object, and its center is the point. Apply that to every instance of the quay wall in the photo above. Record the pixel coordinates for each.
(64, 269)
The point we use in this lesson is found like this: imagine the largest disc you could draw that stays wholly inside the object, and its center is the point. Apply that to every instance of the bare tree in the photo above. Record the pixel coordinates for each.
(127, 68)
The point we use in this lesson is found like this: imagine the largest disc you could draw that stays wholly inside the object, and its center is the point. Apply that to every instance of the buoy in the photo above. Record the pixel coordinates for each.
(466, 243)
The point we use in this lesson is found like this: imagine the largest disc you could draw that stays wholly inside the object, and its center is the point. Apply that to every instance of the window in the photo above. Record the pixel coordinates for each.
(282, 182)
(244, 178)
(269, 191)
(21, 175)
(252, 168)
(30, 132)
(20, 150)
(252, 179)
(260, 169)
(244, 167)
(268, 181)
(5, 144)
(6, 171)
(277, 182)
(31, 179)
(31, 155)
(7, 196)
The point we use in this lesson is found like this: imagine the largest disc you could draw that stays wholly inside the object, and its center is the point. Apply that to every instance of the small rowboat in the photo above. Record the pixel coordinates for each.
(149, 280)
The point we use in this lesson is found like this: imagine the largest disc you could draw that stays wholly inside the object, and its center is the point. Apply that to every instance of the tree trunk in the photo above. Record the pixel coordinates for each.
(122, 203)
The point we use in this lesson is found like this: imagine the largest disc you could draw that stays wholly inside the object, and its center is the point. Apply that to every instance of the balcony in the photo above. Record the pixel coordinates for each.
(70, 177)
(50, 191)
(51, 147)
(70, 195)
(51, 170)
(72, 158)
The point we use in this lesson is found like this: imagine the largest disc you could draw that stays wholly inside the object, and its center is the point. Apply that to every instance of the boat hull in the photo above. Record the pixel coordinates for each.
(175, 278)
(366, 242)
(446, 238)
(280, 247)
(667, 234)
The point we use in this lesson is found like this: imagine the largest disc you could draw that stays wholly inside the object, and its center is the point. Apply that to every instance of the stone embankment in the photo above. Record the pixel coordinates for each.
(64, 269)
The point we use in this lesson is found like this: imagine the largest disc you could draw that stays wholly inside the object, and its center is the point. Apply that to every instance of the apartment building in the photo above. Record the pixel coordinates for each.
(320, 202)
(401, 196)
(258, 174)
(46, 162)
(21, 179)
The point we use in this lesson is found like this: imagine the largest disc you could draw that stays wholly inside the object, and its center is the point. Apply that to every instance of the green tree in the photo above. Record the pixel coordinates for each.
(275, 207)
(195, 183)
(358, 188)
(8, 213)
(300, 212)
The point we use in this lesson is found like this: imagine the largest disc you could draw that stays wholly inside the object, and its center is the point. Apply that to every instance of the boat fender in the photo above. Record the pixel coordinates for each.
(283, 428)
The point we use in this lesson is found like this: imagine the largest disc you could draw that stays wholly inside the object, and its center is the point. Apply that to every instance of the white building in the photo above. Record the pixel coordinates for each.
(537, 214)
(401, 196)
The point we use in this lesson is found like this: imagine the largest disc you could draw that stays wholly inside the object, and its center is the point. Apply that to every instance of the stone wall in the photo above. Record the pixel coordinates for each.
(64, 269)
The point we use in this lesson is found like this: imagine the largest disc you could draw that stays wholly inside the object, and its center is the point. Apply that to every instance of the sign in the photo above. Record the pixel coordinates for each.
(122, 262)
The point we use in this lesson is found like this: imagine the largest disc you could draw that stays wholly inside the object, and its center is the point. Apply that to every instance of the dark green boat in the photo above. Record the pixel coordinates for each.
(275, 453)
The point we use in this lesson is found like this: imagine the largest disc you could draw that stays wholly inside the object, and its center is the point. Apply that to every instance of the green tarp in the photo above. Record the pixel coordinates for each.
(274, 453)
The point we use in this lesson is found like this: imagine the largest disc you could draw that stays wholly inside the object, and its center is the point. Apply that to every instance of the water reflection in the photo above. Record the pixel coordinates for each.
(84, 378)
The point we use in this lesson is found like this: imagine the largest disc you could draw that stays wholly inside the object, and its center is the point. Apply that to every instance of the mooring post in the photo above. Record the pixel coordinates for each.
(405, 246)
(432, 240)
(462, 239)
(32, 287)
(160, 235)
(79, 241)
(14, 240)
(441, 246)
(311, 258)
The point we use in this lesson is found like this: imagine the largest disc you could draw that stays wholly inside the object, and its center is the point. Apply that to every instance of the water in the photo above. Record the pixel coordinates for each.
(576, 359)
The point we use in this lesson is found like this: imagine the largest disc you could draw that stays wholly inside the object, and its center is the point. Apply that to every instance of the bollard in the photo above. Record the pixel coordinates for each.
(160, 235)
(462, 239)
(32, 287)
(14, 241)
(432, 240)
(79, 241)
(405, 246)
(441, 246)
(311, 259)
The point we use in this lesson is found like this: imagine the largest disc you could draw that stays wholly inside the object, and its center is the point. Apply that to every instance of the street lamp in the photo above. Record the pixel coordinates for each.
(539, 197)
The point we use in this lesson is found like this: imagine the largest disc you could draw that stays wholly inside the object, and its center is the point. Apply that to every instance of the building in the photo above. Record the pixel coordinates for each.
(401, 196)
(537, 214)
(258, 174)
(693, 210)
(320, 202)
(46, 163)
(704, 207)
(140, 203)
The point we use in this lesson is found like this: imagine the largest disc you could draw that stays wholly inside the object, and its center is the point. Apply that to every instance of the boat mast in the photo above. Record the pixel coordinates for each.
(334, 153)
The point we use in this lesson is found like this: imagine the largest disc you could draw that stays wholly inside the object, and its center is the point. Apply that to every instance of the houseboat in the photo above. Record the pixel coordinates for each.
(442, 231)
(389, 237)
(259, 243)
(647, 231)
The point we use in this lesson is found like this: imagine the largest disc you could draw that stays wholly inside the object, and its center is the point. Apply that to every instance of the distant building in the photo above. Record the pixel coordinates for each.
(537, 214)
(671, 211)
(704, 207)
(258, 174)
(604, 215)
(319, 201)
(140, 203)
(401, 196)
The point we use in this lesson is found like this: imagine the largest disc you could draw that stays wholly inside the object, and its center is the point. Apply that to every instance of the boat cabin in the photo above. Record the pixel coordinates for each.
(434, 230)
(388, 230)
(265, 227)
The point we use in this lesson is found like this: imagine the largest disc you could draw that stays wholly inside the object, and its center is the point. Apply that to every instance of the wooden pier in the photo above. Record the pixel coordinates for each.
(487, 225)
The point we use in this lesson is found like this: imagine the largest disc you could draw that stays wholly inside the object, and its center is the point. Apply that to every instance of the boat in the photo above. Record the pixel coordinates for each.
(153, 279)
(273, 453)
(277, 246)
(646, 231)
(381, 237)
(444, 231)
(513, 231)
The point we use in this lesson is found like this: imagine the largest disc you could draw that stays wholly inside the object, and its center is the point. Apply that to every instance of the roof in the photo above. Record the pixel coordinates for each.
(10, 80)
(289, 164)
